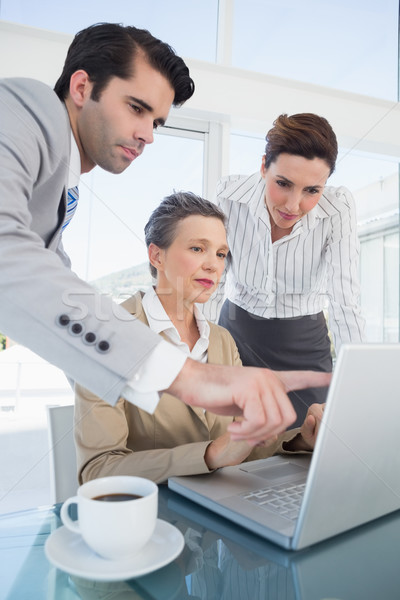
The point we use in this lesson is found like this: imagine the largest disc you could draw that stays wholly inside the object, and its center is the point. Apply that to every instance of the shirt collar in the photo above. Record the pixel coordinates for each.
(202, 323)
(160, 322)
(241, 188)
(324, 209)
(74, 172)
(248, 190)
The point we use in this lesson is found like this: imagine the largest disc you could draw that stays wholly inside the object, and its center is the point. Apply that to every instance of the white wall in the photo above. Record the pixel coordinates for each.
(242, 99)
(30, 52)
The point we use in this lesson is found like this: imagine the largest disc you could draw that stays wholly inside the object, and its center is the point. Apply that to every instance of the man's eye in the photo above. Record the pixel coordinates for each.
(136, 108)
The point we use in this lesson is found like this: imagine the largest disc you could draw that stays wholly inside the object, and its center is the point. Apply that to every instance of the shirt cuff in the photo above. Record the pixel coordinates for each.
(156, 373)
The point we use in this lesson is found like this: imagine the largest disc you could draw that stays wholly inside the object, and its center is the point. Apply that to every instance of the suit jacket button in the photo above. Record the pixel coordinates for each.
(76, 328)
(89, 338)
(103, 346)
(63, 320)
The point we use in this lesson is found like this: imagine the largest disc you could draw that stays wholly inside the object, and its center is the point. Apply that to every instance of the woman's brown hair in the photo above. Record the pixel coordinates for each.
(303, 134)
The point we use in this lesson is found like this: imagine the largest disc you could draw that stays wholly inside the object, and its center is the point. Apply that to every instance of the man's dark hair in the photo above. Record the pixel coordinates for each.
(107, 50)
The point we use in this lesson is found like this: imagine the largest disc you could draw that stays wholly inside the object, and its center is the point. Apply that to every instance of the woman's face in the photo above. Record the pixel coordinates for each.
(293, 186)
(190, 269)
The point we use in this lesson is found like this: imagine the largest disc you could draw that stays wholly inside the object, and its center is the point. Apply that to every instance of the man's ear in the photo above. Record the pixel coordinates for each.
(156, 257)
(80, 87)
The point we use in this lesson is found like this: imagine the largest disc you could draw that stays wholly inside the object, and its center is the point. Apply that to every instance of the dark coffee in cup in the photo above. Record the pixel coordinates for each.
(106, 506)
(117, 497)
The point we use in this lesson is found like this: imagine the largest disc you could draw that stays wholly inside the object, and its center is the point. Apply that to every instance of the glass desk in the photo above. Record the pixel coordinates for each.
(220, 561)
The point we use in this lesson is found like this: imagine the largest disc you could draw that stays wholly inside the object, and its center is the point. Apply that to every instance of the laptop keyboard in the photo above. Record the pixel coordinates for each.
(284, 499)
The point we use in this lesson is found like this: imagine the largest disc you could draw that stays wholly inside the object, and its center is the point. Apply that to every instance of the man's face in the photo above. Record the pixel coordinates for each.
(113, 131)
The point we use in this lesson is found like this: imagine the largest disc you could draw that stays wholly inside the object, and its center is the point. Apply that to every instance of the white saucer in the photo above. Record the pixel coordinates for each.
(67, 551)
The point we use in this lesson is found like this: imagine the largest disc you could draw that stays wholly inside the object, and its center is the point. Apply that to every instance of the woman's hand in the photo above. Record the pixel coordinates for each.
(306, 439)
(309, 429)
(224, 452)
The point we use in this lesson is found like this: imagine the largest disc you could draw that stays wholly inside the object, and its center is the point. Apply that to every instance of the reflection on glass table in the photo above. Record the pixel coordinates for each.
(220, 560)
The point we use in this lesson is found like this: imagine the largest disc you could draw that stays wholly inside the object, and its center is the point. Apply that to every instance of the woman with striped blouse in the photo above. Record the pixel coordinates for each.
(294, 249)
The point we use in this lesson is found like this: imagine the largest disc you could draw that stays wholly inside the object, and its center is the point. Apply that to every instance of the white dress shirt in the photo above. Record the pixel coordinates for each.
(74, 172)
(296, 275)
(159, 322)
(158, 369)
(161, 367)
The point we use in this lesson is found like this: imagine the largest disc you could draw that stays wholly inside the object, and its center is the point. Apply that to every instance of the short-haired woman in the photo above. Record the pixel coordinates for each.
(187, 249)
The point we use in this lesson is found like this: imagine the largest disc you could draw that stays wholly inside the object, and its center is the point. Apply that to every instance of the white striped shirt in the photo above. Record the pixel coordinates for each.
(296, 275)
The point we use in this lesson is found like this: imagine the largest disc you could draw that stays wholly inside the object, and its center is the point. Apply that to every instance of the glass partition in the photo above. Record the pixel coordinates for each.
(245, 153)
(374, 182)
(190, 32)
(107, 234)
(347, 44)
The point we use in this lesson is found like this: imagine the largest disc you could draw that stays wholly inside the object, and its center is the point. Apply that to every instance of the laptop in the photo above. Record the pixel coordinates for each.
(352, 477)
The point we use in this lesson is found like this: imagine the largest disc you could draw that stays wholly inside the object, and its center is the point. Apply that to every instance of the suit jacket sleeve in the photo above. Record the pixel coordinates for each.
(124, 440)
(36, 288)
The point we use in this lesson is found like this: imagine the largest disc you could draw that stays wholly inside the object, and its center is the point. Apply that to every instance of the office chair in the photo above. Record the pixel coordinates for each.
(63, 470)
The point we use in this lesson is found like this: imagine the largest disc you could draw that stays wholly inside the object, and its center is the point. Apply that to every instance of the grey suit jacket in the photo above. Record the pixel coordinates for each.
(43, 304)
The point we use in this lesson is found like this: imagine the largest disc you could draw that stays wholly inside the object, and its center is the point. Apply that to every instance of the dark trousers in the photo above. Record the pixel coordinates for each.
(299, 343)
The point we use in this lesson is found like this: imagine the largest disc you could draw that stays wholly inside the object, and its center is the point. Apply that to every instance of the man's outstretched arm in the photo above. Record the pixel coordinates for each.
(258, 395)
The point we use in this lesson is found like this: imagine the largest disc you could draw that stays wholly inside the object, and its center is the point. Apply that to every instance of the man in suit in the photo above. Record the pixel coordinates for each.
(117, 85)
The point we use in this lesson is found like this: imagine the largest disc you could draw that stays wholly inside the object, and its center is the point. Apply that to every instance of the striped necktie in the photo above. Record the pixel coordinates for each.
(72, 203)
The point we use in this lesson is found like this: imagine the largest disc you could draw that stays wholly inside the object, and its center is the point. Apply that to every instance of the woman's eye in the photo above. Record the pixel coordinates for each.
(196, 249)
(221, 255)
(281, 183)
(313, 191)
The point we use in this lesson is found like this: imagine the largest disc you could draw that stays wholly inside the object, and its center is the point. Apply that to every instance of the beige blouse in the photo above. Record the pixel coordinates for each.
(125, 440)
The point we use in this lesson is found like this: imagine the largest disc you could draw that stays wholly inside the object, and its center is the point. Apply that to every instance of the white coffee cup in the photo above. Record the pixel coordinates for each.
(114, 529)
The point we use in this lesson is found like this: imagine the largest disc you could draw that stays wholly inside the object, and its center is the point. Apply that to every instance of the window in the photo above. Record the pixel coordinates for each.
(245, 153)
(391, 288)
(374, 182)
(190, 32)
(107, 234)
(347, 44)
